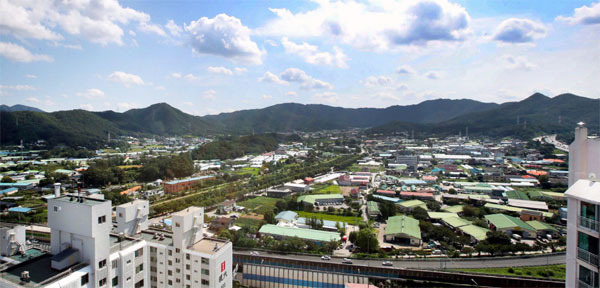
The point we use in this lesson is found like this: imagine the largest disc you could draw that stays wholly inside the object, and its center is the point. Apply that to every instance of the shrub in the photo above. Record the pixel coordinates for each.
(511, 270)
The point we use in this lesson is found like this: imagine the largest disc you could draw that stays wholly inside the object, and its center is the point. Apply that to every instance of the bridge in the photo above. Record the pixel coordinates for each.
(280, 270)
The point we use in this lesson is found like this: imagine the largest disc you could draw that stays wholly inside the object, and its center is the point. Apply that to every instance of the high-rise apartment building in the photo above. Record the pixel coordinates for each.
(583, 226)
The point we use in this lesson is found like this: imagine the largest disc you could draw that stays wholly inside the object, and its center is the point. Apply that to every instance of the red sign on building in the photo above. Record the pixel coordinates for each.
(223, 266)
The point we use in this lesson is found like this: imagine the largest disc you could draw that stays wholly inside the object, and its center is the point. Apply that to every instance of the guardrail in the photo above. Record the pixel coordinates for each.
(587, 256)
(589, 223)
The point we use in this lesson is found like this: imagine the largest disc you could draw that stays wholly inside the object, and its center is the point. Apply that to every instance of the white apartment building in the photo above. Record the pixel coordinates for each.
(583, 196)
(87, 251)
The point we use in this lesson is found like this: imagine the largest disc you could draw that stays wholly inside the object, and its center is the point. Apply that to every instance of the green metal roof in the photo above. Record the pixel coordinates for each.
(454, 209)
(502, 221)
(441, 215)
(373, 207)
(309, 234)
(413, 203)
(512, 209)
(475, 231)
(313, 198)
(456, 221)
(403, 225)
(541, 226)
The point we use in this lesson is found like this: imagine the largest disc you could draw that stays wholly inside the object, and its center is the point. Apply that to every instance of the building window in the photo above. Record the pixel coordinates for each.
(170, 283)
(177, 270)
(120, 215)
(205, 282)
(101, 219)
(115, 281)
(102, 282)
(205, 271)
(169, 272)
(188, 277)
(115, 263)
(153, 269)
(139, 252)
(170, 262)
(170, 252)
(178, 280)
(177, 250)
(588, 243)
(55, 208)
(177, 260)
(101, 264)
(588, 276)
(139, 284)
(128, 261)
(187, 256)
(187, 266)
(152, 249)
(139, 268)
(204, 260)
(177, 224)
(588, 210)
(85, 279)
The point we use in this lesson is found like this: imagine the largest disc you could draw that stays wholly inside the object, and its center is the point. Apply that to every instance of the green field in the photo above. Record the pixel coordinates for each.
(338, 218)
(550, 271)
(259, 204)
(248, 223)
(247, 170)
(358, 168)
(330, 189)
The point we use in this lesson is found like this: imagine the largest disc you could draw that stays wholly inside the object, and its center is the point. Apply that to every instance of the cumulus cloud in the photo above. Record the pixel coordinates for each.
(518, 63)
(587, 15)
(291, 94)
(30, 76)
(223, 36)
(306, 81)
(312, 55)
(173, 28)
(98, 21)
(518, 30)
(92, 93)
(240, 70)
(375, 81)
(17, 87)
(219, 70)
(272, 78)
(191, 77)
(326, 97)
(376, 25)
(176, 75)
(126, 79)
(18, 53)
(209, 94)
(405, 69)
(432, 75)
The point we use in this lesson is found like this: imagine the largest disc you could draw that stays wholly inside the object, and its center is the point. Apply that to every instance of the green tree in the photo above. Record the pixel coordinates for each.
(352, 236)
(269, 217)
(6, 179)
(366, 241)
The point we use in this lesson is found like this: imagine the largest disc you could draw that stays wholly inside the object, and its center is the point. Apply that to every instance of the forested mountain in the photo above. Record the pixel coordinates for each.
(18, 107)
(532, 116)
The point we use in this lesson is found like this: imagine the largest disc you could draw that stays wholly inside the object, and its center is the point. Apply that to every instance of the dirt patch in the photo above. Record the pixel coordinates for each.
(346, 190)
(253, 216)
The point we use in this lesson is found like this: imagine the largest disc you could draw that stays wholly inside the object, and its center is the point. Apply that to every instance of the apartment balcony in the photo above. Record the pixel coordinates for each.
(587, 256)
(582, 284)
(588, 223)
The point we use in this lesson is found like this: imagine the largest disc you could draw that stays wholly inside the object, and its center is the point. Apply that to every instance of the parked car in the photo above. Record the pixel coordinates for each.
(387, 263)
(346, 261)
(325, 257)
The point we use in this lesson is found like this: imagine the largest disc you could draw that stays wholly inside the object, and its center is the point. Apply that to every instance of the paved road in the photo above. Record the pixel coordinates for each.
(442, 263)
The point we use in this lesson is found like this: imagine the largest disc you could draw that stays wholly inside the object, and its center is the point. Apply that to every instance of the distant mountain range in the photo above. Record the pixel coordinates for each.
(434, 117)
(18, 107)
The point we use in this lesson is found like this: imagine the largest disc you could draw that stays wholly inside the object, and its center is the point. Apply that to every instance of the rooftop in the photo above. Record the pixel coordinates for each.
(39, 268)
(456, 221)
(475, 231)
(83, 200)
(309, 234)
(585, 189)
(313, 198)
(413, 203)
(403, 225)
(502, 221)
(189, 179)
(209, 245)
(541, 226)
(149, 236)
(187, 211)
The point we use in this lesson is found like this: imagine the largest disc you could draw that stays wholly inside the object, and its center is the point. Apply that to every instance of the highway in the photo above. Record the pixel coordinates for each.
(439, 263)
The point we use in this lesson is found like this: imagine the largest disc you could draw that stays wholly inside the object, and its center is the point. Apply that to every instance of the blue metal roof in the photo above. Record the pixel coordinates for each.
(8, 190)
(19, 209)
(286, 215)
(393, 200)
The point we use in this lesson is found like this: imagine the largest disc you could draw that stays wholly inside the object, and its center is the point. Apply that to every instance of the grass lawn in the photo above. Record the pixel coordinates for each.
(247, 170)
(372, 169)
(247, 222)
(550, 271)
(259, 205)
(331, 189)
(352, 220)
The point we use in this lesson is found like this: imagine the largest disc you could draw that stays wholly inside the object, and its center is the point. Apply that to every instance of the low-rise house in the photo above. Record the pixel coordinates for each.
(219, 223)
(410, 205)
(226, 207)
(510, 225)
(403, 230)
(417, 195)
(373, 209)
(388, 199)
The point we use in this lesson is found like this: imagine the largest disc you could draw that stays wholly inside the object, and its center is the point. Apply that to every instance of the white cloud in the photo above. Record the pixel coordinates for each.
(519, 30)
(191, 77)
(209, 94)
(151, 28)
(18, 53)
(271, 42)
(32, 99)
(272, 78)
(266, 96)
(291, 94)
(30, 76)
(376, 25)
(17, 87)
(92, 93)
(176, 75)
(405, 69)
(517, 63)
(72, 46)
(306, 81)
(326, 97)
(173, 28)
(312, 55)
(98, 21)
(587, 15)
(223, 36)
(432, 75)
(124, 106)
(240, 70)
(126, 79)
(87, 106)
(377, 81)
(219, 70)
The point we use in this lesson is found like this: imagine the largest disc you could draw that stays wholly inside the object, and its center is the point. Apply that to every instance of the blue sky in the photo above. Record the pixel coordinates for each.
(207, 57)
